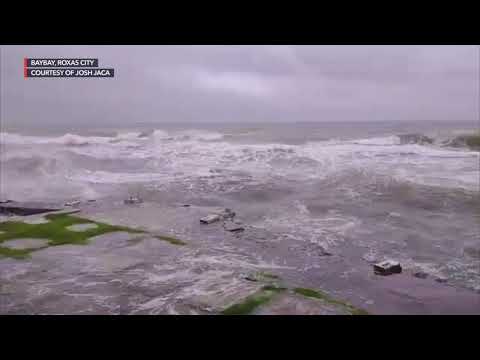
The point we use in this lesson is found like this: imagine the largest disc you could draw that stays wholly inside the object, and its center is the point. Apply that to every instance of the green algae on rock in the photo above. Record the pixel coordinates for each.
(268, 292)
(262, 277)
(57, 233)
(171, 240)
(268, 275)
(473, 141)
(327, 298)
(248, 305)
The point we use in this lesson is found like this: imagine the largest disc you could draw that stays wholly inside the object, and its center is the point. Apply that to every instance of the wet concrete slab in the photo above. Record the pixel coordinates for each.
(81, 227)
(35, 219)
(21, 244)
(28, 208)
(291, 304)
(32, 219)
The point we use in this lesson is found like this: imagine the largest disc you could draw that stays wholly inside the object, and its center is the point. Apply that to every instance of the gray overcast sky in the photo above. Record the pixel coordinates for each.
(247, 83)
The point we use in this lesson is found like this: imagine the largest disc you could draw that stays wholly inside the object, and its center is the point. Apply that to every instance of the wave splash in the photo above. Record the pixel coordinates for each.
(190, 156)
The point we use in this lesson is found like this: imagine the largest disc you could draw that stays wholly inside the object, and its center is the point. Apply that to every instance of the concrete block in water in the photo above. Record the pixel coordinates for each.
(233, 227)
(72, 203)
(227, 214)
(210, 219)
(133, 200)
(387, 267)
(420, 275)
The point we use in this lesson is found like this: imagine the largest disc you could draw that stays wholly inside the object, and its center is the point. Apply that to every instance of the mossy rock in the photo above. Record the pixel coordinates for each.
(328, 299)
(473, 141)
(172, 240)
(251, 303)
(57, 233)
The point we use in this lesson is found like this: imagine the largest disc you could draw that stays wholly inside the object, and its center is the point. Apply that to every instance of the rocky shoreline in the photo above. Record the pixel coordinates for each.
(148, 258)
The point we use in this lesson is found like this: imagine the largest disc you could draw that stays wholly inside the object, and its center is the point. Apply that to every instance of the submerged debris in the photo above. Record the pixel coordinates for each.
(261, 276)
(251, 277)
(415, 139)
(232, 226)
(420, 275)
(323, 252)
(210, 219)
(227, 214)
(222, 215)
(73, 203)
(133, 200)
(387, 267)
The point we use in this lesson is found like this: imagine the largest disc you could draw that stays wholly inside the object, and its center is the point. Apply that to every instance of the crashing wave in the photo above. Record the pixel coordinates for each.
(72, 140)
(463, 141)
(160, 135)
(386, 141)
(185, 135)
(202, 135)
(67, 139)
(471, 141)
(419, 139)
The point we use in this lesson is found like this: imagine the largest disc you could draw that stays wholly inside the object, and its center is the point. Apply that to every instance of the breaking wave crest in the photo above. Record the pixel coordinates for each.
(67, 140)
(462, 140)
(191, 156)
(79, 140)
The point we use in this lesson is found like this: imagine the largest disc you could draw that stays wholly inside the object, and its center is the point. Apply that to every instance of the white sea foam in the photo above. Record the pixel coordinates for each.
(160, 135)
(106, 177)
(388, 140)
(186, 135)
(200, 135)
(67, 139)
(198, 151)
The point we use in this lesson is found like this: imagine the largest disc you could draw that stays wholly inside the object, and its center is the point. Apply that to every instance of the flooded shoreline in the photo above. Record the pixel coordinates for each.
(122, 274)
(361, 194)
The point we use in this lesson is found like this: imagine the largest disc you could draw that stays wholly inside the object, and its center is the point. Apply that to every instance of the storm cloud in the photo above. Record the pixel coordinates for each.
(156, 84)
